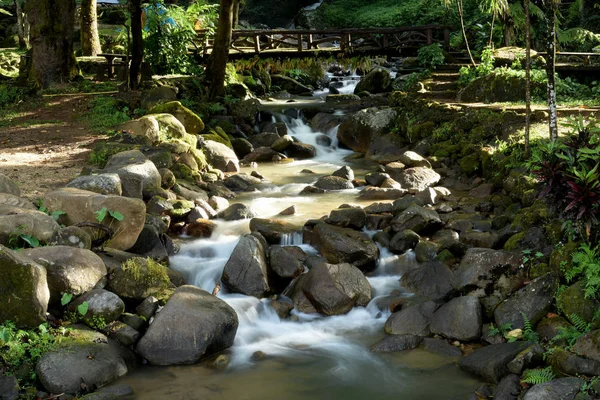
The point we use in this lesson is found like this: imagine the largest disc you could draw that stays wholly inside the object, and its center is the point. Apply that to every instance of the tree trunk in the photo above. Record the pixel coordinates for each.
(464, 32)
(491, 42)
(217, 63)
(52, 24)
(90, 41)
(137, 43)
(236, 13)
(550, 67)
(22, 26)
(527, 76)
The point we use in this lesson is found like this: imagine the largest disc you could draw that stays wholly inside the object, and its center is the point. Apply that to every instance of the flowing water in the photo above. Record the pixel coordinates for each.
(308, 356)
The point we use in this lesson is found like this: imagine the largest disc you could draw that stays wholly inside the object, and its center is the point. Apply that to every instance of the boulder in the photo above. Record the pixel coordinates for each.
(301, 151)
(103, 308)
(431, 280)
(69, 269)
(242, 147)
(417, 178)
(282, 143)
(412, 320)
(441, 347)
(84, 364)
(333, 183)
(24, 293)
(9, 388)
(102, 183)
(344, 172)
(241, 182)
(158, 95)
(558, 389)
(342, 245)
(283, 266)
(137, 172)
(137, 278)
(246, 270)
(509, 388)
(459, 319)
(403, 241)
(220, 156)
(10, 200)
(359, 130)
(324, 122)
(236, 212)
(263, 154)
(335, 289)
(393, 343)
(146, 127)
(354, 218)
(491, 362)
(273, 230)
(22, 221)
(531, 302)
(412, 159)
(80, 207)
(72, 236)
(569, 364)
(192, 324)
(480, 267)
(171, 128)
(191, 122)
(8, 186)
(385, 149)
(376, 178)
(588, 345)
(418, 219)
(378, 80)
(375, 193)
(200, 228)
(574, 301)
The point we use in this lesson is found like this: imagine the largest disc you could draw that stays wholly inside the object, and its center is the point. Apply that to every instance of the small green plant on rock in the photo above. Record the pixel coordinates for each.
(19, 240)
(432, 56)
(537, 376)
(572, 332)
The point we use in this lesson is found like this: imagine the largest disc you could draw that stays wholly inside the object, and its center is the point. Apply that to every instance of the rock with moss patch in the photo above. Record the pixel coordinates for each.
(145, 127)
(358, 131)
(191, 122)
(377, 81)
(158, 95)
(24, 290)
(138, 278)
(574, 303)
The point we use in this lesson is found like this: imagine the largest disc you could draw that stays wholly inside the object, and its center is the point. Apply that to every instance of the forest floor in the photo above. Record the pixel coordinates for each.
(44, 143)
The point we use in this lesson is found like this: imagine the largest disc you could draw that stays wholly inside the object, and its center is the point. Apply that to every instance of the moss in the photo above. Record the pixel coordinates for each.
(200, 159)
(182, 171)
(514, 241)
(561, 257)
(105, 150)
(218, 135)
(470, 165)
(181, 208)
(193, 124)
(530, 216)
(146, 271)
(572, 301)
(416, 132)
(538, 270)
(446, 257)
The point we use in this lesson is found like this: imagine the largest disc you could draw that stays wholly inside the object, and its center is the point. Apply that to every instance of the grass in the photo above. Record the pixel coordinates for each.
(106, 113)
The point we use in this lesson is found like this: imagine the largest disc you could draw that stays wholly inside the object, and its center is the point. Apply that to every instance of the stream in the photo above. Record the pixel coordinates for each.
(307, 356)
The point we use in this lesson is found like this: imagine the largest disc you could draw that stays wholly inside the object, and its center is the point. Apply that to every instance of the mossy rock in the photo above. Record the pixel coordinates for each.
(181, 208)
(470, 165)
(138, 278)
(200, 159)
(554, 231)
(218, 135)
(539, 269)
(169, 127)
(182, 171)
(104, 150)
(572, 301)
(514, 242)
(418, 131)
(561, 258)
(193, 124)
(446, 257)
(537, 214)
(175, 146)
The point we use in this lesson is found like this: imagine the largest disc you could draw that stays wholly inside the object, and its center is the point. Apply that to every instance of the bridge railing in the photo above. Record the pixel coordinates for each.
(345, 40)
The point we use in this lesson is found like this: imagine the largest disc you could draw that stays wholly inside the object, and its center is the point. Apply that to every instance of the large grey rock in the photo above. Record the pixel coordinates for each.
(284, 266)
(288, 84)
(137, 278)
(22, 221)
(273, 230)
(220, 156)
(354, 218)
(392, 343)
(417, 219)
(9, 388)
(417, 178)
(412, 320)
(588, 345)
(333, 183)
(491, 362)
(246, 270)
(192, 324)
(10, 200)
(478, 267)
(101, 183)
(80, 207)
(533, 301)
(24, 293)
(412, 159)
(72, 236)
(241, 182)
(92, 361)
(300, 151)
(8, 186)
(558, 389)
(509, 388)
(359, 130)
(146, 127)
(158, 95)
(459, 319)
(137, 172)
(335, 289)
(342, 245)
(377, 80)
(236, 212)
(344, 172)
(69, 269)
(385, 149)
(571, 365)
(103, 307)
(432, 280)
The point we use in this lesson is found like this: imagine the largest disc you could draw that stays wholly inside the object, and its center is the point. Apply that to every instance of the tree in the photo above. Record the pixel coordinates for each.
(497, 8)
(550, 7)
(137, 43)
(22, 26)
(90, 41)
(527, 75)
(460, 9)
(217, 64)
(236, 13)
(52, 25)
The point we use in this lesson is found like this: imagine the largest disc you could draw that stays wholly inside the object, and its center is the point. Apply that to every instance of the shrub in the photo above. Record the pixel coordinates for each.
(431, 56)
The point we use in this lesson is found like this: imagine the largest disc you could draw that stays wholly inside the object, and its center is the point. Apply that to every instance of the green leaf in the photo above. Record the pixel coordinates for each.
(539, 254)
(100, 215)
(66, 299)
(32, 241)
(116, 215)
(56, 214)
(83, 308)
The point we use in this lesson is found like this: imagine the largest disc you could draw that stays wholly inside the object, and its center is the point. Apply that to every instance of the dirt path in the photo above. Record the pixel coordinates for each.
(45, 144)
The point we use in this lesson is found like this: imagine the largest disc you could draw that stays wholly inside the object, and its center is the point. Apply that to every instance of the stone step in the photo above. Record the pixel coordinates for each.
(441, 86)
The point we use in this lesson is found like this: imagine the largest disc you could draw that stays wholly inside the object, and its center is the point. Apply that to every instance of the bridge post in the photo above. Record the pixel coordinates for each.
(299, 42)
(386, 41)
(429, 36)
(310, 41)
(446, 39)
(257, 43)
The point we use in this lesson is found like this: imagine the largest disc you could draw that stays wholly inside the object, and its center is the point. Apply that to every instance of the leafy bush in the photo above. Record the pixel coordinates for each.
(11, 95)
(431, 56)
(586, 265)
(106, 113)
(568, 169)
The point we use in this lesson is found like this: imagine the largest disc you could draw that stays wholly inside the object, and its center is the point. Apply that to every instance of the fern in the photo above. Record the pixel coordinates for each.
(580, 324)
(572, 332)
(586, 264)
(528, 333)
(537, 376)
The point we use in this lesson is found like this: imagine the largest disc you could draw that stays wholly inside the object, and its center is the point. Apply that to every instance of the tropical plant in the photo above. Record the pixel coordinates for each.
(573, 332)
(537, 376)
(585, 265)
(431, 56)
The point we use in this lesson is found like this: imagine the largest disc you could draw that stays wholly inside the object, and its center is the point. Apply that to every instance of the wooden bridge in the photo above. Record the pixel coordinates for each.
(249, 43)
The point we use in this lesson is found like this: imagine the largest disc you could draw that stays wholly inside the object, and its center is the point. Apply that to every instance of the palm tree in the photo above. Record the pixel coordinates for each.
(496, 8)
(460, 9)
